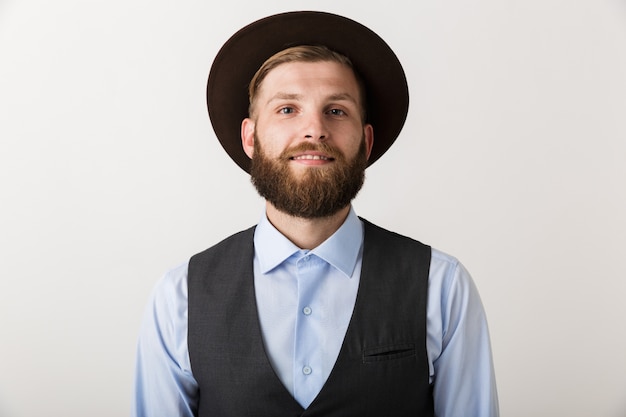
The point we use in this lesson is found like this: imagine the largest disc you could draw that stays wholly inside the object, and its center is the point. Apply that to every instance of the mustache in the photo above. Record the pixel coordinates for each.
(322, 147)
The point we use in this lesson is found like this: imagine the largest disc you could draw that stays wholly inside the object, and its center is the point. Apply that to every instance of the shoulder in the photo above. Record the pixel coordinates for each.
(172, 286)
(458, 298)
(441, 263)
(444, 263)
(227, 245)
(392, 244)
(446, 271)
(377, 231)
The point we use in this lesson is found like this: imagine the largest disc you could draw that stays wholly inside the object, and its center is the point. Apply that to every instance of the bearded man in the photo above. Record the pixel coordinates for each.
(314, 311)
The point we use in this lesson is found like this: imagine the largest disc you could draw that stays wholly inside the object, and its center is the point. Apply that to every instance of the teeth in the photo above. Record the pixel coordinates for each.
(312, 157)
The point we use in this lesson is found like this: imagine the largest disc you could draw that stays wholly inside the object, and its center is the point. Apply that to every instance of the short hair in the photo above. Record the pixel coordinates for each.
(303, 53)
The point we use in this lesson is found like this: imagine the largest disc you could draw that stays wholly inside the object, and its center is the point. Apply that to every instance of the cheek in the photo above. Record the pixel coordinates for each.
(352, 145)
(275, 139)
(270, 146)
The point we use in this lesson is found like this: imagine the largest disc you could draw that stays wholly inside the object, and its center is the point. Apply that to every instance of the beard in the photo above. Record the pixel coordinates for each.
(319, 191)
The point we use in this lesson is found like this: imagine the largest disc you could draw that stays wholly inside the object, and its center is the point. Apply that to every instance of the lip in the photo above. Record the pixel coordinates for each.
(312, 158)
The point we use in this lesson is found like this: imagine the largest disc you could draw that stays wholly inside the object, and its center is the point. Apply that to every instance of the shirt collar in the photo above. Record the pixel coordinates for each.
(341, 250)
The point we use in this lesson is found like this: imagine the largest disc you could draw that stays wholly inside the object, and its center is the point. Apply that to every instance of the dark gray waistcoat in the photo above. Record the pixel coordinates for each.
(382, 367)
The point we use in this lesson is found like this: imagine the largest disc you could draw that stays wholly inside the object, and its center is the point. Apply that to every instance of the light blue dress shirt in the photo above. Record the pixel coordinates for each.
(305, 301)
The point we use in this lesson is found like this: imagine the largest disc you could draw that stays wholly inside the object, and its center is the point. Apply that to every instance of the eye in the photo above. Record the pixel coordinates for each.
(286, 110)
(337, 112)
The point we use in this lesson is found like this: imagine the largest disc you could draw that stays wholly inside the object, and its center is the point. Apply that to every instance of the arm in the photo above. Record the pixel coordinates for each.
(464, 380)
(164, 384)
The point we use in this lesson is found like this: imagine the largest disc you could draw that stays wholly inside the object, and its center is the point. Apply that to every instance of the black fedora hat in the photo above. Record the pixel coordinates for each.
(243, 54)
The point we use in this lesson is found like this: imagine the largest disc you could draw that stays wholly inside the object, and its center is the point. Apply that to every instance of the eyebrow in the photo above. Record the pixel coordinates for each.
(293, 96)
(284, 96)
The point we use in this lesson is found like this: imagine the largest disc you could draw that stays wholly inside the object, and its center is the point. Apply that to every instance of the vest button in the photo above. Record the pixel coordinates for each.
(307, 370)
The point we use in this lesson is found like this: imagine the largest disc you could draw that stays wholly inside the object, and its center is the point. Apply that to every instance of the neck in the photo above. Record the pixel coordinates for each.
(306, 233)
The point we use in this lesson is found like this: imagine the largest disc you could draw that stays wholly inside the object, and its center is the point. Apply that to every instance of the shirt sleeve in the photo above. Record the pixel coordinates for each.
(164, 384)
(459, 344)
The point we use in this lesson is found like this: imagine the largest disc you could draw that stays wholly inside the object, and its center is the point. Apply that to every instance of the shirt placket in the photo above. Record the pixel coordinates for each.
(307, 366)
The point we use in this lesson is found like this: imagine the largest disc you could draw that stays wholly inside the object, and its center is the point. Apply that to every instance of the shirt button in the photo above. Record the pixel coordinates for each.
(307, 311)
(307, 370)
(306, 258)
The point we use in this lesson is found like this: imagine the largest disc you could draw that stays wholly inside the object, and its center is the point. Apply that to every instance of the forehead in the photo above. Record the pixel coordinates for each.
(311, 75)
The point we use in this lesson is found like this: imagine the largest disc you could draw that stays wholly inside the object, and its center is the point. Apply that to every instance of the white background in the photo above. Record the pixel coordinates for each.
(513, 159)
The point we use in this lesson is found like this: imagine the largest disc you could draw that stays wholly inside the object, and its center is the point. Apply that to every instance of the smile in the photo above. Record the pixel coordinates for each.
(312, 158)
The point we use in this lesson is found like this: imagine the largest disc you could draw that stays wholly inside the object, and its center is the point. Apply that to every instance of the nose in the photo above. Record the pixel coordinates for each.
(315, 128)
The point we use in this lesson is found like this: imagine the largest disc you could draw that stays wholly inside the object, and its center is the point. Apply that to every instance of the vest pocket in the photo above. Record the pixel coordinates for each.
(388, 352)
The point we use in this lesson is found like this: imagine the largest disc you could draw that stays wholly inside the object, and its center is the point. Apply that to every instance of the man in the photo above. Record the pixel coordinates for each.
(314, 311)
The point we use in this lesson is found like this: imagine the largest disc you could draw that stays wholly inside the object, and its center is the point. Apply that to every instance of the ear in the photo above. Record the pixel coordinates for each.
(368, 132)
(247, 136)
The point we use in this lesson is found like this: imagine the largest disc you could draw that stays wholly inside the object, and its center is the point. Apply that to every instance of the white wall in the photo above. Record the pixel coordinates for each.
(512, 159)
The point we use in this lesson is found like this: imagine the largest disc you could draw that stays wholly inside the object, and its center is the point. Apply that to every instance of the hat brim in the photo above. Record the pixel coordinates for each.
(243, 54)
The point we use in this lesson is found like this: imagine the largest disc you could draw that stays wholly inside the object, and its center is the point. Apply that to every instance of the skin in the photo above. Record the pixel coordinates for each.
(307, 101)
